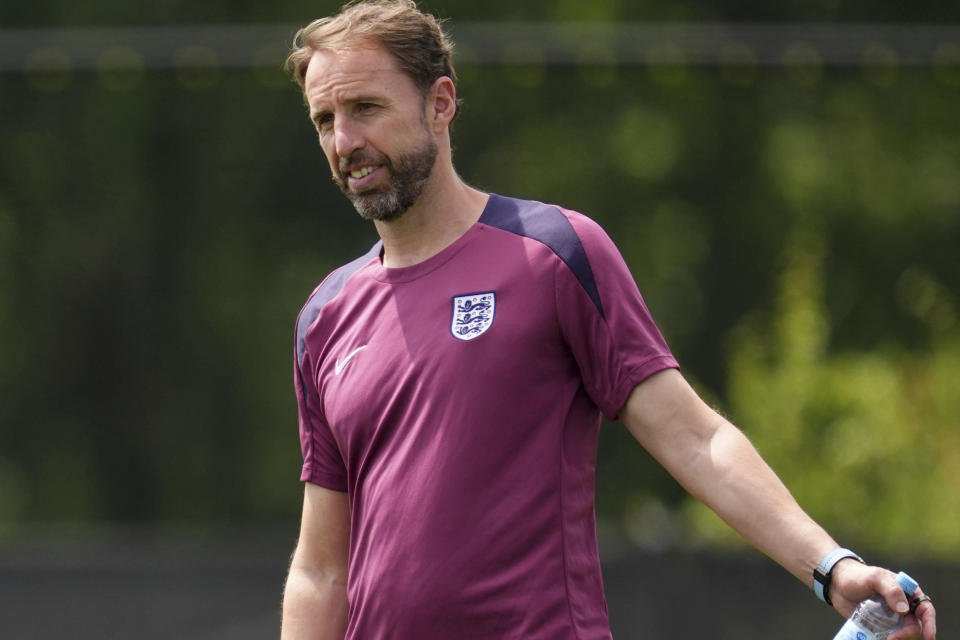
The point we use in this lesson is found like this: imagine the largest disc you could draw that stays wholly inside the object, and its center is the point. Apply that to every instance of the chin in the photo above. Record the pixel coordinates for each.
(382, 207)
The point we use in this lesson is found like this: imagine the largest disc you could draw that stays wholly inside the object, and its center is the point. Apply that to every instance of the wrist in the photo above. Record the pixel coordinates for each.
(823, 573)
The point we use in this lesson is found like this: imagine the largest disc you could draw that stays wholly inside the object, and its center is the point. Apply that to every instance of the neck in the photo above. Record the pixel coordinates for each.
(445, 211)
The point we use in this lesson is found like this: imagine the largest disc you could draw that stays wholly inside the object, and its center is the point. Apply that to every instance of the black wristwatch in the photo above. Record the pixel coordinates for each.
(823, 574)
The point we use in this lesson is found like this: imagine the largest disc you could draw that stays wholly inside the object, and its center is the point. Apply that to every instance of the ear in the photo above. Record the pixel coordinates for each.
(442, 104)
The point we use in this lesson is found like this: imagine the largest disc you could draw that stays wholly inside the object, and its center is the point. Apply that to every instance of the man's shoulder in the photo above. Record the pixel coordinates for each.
(328, 289)
(562, 230)
(555, 225)
(334, 282)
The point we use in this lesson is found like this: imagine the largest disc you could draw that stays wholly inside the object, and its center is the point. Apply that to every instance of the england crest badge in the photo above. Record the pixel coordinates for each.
(472, 315)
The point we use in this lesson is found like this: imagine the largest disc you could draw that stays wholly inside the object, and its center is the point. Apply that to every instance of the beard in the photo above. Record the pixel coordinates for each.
(406, 180)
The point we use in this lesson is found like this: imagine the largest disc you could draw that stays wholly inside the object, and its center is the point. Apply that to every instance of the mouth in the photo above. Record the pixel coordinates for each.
(363, 178)
(361, 173)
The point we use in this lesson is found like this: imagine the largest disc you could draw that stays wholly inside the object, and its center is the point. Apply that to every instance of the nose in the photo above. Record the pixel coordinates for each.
(346, 138)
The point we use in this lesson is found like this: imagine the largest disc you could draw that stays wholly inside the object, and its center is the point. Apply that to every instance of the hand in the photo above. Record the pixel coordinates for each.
(852, 582)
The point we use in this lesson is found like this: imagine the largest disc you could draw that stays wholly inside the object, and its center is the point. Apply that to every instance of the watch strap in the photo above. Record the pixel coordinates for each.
(823, 574)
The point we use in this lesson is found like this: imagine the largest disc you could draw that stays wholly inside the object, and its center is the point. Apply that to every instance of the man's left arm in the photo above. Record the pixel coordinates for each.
(717, 464)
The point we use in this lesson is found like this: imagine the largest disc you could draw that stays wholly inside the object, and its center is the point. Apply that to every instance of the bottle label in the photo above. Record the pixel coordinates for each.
(853, 631)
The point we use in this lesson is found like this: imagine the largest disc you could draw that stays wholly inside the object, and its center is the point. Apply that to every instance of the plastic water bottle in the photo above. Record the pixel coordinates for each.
(873, 619)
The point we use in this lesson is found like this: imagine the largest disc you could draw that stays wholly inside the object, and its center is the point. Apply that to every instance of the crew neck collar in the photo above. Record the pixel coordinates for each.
(422, 268)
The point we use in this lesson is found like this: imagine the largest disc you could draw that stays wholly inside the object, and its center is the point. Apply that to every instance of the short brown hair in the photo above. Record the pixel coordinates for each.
(414, 38)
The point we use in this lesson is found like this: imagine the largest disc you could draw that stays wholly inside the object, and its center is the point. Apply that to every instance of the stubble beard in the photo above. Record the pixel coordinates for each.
(408, 176)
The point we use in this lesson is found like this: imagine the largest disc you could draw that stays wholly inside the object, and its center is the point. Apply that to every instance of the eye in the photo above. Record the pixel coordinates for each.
(364, 106)
(323, 121)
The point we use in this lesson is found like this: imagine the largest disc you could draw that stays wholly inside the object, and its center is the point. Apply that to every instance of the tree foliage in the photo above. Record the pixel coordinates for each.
(794, 235)
(867, 440)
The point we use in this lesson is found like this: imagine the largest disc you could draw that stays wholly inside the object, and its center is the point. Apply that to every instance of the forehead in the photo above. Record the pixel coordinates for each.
(347, 71)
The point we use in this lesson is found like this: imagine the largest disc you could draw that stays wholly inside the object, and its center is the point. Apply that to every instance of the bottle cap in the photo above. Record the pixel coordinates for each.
(908, 584)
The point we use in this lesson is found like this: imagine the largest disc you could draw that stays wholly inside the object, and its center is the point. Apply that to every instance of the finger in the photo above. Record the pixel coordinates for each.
(910, 629)
(887, 585)
(927, 615)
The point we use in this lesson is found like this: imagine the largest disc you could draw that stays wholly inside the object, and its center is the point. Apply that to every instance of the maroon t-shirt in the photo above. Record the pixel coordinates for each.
(457, 402)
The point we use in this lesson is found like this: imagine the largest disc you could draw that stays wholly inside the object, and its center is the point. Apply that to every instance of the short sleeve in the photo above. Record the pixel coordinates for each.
(609, 329)
(322, 461)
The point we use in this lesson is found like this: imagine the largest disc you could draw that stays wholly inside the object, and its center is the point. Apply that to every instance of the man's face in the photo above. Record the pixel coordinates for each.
(371, 120)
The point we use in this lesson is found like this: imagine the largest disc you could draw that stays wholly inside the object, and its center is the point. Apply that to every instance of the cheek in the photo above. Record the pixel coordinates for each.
(331, 155)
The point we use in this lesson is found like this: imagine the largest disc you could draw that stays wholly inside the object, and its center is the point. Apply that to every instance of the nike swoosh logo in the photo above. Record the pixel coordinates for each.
(342, 363)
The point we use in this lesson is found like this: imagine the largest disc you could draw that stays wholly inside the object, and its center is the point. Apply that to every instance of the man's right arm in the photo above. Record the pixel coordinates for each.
(315, 596)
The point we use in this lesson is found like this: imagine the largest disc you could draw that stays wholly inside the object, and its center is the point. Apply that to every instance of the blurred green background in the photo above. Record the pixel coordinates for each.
(790, 209)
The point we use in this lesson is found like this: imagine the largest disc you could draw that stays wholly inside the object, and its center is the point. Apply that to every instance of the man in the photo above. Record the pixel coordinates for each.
(451, 382)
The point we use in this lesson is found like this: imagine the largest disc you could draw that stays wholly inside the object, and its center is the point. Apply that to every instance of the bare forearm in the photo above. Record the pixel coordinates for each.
(716, 463)
(314, 606)
(731, 478)
(749, 496)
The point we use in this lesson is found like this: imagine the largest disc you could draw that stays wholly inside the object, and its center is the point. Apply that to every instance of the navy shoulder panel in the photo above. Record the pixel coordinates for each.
(548, 225)
(326, 292)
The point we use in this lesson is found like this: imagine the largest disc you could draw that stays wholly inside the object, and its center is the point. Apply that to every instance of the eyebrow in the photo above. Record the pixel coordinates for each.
(351, 100)
(364, 98)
